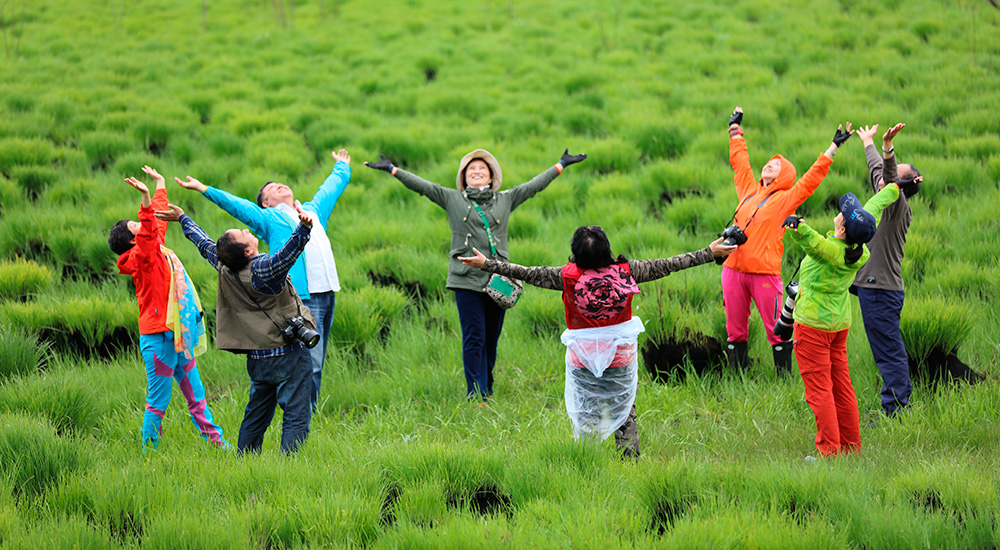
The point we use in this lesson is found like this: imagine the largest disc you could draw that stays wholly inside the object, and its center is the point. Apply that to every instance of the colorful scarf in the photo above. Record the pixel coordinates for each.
(184, 313)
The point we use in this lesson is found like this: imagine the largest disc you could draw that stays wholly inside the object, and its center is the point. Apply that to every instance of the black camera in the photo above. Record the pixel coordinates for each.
(296, 329)
(783, 326)
(732, 235)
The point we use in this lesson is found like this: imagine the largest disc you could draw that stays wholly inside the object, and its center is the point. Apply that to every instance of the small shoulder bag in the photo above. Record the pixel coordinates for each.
(505, 291)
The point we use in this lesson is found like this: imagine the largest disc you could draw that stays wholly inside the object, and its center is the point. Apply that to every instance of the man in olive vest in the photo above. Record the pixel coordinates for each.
(256, 301)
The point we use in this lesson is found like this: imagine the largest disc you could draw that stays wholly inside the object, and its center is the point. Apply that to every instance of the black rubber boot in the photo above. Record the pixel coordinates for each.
(738, 354)
(782, 358)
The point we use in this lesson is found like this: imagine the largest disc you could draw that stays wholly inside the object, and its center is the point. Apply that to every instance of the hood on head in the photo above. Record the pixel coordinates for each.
(786, 177)
(489, 159)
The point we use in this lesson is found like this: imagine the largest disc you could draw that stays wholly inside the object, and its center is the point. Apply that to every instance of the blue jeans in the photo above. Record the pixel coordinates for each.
(284, 381)
(482, 321)
(880, 310)
(321, 305)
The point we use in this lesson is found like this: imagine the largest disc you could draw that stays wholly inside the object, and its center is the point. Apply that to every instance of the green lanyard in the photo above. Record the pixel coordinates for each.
(486, 224)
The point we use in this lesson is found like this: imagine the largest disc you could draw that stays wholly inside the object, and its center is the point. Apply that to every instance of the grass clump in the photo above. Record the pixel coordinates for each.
(932, 325)
(21, 352)
(66, 400)
(24, 152)
(365, 315)
(88, 326)
(21, 279)
(103, 148)
(33, 457)
(34, 179)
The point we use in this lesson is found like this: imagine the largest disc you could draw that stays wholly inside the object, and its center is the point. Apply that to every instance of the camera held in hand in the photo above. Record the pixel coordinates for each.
(783, 326)
(296, 330)
(733, 235)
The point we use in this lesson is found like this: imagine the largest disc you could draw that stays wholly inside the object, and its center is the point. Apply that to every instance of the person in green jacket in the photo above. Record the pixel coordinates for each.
(478, 213)
(823, 315)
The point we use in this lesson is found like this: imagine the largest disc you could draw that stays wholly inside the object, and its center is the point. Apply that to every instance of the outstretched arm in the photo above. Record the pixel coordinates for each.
(875, 163)
(739, 156)
(889, 169)
(194, 233)
(333, 187)
(239, 208)
(268, 274)
(531, 188)
(432, 191)
(542, 277)
(644, 271)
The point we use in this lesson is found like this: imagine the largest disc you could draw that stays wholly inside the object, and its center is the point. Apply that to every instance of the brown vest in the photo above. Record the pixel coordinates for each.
(241, 325)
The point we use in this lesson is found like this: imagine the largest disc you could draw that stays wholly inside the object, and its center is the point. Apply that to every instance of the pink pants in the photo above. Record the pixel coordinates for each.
(737, 291)
(822, 360)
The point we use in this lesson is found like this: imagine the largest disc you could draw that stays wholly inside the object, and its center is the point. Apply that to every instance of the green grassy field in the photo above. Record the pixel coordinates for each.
(239, 92)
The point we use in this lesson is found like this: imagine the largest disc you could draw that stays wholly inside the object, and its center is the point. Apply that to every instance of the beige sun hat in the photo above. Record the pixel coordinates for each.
(489, 159)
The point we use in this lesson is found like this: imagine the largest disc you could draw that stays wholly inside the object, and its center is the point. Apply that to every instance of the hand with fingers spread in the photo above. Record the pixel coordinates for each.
(138, 185)
(382, 164)
(303, 217)
(889, 134)
(475, 261)
(792, 222)
(341, 155)
(192, 184)
(720, 250)
(172, 214)
(160, 182)
(867, 134)
(568, 159)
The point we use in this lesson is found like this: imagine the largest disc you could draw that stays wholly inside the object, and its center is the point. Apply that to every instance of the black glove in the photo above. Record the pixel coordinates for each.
(568, 159)
(383, 164)
(840, 137)
(736, 118)
(792, 221)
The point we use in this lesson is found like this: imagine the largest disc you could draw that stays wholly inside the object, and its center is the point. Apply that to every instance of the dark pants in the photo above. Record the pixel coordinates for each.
(285, 381)
(880, 310)
(482, 321)
(627, 436)
(321, 305)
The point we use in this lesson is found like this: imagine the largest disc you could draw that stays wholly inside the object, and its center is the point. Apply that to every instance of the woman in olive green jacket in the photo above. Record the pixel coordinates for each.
(477, 195)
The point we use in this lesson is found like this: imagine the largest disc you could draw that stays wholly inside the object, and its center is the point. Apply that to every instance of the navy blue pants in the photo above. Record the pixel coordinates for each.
(321, 305)
(285, 381)
(482, 321)
(880, 310)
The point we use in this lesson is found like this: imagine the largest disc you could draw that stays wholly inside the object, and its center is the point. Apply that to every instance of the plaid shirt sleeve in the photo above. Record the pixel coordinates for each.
(269, 272)
(197, 235)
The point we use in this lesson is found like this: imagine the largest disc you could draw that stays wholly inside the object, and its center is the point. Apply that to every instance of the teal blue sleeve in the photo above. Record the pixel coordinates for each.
(241, 209)
(326, 197)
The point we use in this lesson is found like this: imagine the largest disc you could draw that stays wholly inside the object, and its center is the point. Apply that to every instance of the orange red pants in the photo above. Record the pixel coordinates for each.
(822, 358)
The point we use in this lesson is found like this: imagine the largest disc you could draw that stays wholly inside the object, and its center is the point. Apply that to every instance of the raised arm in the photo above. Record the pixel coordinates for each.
(807, 184)
(432, 191)
(529, 189)
(644, 271)
(542, 277)
(875, 163)
(326, 197)
(816, 246)
(194, 233)
(268, 273)
(888, 195)
(739, 156)
(239, 208)
(889, 170)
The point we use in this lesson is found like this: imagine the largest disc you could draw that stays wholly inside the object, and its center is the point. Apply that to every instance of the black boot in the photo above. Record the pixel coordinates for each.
(738, 354)
(782, 358)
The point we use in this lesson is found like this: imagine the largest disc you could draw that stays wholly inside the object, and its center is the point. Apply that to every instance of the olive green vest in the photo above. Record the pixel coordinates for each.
(241, 325)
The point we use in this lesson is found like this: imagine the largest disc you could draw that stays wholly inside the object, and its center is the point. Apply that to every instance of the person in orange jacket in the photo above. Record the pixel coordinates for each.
(753, 272)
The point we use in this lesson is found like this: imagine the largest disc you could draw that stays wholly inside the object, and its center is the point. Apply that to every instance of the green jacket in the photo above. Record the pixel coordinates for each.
(823, 300)
(467, 229)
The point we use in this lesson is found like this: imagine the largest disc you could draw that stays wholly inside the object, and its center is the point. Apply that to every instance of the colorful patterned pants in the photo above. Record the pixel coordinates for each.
(163, 365)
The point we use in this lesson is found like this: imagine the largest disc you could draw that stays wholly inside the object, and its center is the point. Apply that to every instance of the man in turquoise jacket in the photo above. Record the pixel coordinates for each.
(273, 218)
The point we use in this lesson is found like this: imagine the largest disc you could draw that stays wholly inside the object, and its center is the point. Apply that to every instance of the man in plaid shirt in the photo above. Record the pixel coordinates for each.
(255, 301)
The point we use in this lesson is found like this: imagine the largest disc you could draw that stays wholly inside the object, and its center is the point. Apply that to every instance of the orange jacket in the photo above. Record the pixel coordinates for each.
(148, 267)
(764, 247)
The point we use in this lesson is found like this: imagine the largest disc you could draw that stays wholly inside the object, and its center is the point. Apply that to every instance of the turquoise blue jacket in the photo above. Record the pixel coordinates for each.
(274, 227)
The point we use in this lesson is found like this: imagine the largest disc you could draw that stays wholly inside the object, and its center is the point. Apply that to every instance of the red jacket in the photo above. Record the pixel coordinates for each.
(148, 267)
(764, 247)
(574, 319)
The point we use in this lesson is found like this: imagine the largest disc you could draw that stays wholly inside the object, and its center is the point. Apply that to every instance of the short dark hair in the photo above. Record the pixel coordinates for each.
(231, 252)
(853, 253)
(912, 188)
(591, 248)
(260, 194)
(120, 238)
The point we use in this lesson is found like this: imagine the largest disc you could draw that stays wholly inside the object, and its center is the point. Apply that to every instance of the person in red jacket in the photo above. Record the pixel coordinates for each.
(753, 272)
(171, 332)
(602, 367)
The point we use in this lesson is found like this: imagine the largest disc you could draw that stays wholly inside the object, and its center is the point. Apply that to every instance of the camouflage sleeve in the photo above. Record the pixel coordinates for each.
(644, 271)
(543, 277)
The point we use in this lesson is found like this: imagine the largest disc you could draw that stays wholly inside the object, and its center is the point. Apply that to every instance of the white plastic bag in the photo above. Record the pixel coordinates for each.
(602, 374)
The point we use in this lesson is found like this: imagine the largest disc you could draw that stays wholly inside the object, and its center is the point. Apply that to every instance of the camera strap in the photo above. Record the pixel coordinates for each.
(254, 300)
(746, 200)
(486, 224)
